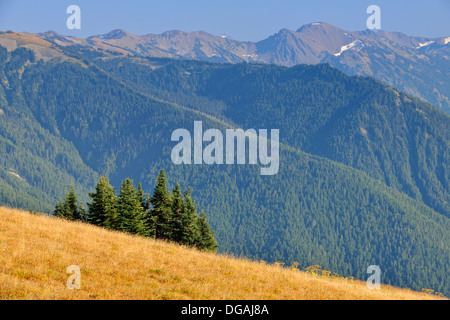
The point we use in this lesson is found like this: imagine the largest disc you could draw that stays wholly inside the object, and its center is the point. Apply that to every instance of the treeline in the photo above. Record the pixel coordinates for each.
(164, 215)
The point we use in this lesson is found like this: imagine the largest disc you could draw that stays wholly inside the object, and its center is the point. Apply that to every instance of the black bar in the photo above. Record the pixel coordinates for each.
(218, 309)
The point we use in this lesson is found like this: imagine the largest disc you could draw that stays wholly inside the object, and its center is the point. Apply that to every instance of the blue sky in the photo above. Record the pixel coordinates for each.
(242, 20)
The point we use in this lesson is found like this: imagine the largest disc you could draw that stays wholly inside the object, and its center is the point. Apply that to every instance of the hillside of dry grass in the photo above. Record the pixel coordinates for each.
(36, 250)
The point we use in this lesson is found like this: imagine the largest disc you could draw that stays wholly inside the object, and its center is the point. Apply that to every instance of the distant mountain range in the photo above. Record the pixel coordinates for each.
(416, 65)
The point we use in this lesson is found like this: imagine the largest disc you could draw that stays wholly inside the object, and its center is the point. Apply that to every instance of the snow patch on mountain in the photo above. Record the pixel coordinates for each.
(348, 47)
(424, 44)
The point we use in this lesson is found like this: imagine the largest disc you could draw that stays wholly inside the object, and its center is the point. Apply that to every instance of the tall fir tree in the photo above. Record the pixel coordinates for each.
(160, 216)
(60, 210)
(131, 215)
(190, 226)
(206, 240)
(69, 209)
(177, 223)
(82, 212)
(143, 198)
(103, 208)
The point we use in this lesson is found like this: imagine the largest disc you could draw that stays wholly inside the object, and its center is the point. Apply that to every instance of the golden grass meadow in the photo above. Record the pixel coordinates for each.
(36, 250)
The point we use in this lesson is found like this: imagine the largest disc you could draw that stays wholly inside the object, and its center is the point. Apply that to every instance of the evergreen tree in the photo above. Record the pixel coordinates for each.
(103, 209)
(161, 213)
(143, 198)
(71, 204)
(206, 239)
(69, 209)
(190, 226)
(177, 223)
(60, 210)
(82, 213)
(131, 215)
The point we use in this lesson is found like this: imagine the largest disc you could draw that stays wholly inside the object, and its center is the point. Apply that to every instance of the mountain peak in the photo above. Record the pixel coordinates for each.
(49, 33)
(317, 26)
(174, 33)
(116, 34)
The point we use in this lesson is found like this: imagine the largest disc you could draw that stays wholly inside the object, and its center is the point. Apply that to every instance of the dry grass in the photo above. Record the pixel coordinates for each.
(23, 38)
(35, 252)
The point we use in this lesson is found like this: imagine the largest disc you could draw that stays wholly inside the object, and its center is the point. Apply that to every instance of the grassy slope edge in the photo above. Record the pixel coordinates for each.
(35, 252)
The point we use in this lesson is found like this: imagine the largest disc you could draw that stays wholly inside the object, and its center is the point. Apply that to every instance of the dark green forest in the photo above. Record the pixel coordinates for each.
(363, 176)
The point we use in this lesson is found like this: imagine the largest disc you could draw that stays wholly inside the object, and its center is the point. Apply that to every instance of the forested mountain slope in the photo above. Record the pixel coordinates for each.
(352, 120)
(94, 114)
(36, 165)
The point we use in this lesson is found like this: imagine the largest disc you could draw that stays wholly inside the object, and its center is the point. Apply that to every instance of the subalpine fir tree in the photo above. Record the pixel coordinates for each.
(82, 212)
(69, 209)
(143, 198)
(177, 215)
(190, 226)
(60, 210)
(103, 209)
(160, 216)
(206, 240)
(131, 215)
(75, 211)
